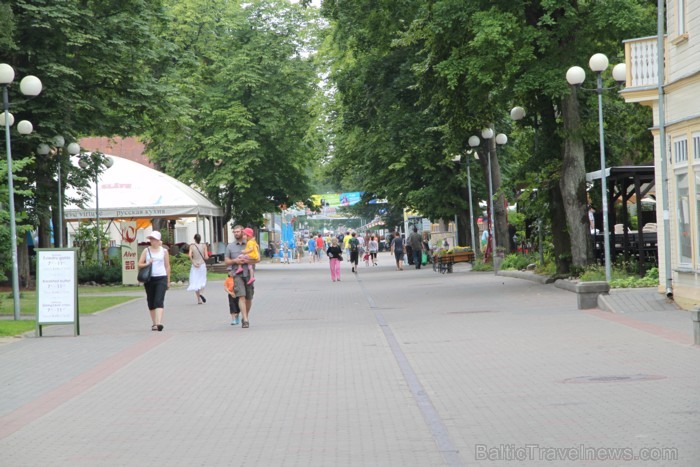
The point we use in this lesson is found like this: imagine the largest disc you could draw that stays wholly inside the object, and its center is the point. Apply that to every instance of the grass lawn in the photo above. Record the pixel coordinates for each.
(216, 276)
(105, 289)
(86, 303)
(14, 328)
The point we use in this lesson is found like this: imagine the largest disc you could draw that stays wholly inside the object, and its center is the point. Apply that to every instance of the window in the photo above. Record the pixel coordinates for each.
(680, 150)
(697, 215)
(683, 206)
(696, 146)
(680, 17)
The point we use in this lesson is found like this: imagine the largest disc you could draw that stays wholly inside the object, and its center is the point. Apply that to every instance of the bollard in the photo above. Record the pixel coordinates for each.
(696, 325)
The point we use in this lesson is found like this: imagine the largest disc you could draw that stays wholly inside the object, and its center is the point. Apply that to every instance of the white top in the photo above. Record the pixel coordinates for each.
(158, 267)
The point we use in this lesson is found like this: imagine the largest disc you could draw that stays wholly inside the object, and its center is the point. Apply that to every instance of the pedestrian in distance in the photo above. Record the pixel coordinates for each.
(346, 239)
(335, 255)
(198, 254)
(233, 307)
(354, 247)
(157, 256)
(286, 253)
(397, 250)
(242, 288)
(415, 240)
(320, 247)
(311, 245)
(373, 247)
(300, 249)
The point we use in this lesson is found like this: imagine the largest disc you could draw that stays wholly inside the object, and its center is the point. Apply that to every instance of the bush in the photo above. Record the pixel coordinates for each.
(179, 268)
(106, 274)
(479, 266)
(518, 261)
(621, 278)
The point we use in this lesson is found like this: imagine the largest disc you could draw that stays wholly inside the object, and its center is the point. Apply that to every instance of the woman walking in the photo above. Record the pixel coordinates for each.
(334, 253)
(373, 247)
(199, 254)
(158, 258)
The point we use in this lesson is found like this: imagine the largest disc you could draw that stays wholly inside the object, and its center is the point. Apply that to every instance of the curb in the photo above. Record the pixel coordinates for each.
(530, 276)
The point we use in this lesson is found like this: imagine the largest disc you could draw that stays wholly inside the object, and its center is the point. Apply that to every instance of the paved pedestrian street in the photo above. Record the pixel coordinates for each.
(385, 368)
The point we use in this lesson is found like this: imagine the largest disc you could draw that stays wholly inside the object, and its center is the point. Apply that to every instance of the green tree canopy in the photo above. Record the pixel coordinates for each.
(236, 125)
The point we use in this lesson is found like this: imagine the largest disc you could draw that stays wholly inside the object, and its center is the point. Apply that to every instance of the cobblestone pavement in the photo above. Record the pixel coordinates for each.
(386, 368)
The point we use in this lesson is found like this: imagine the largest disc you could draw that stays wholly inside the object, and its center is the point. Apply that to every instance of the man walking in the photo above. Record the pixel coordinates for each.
(416, 242)
(241, 288)
(354, 246)
(311, 245)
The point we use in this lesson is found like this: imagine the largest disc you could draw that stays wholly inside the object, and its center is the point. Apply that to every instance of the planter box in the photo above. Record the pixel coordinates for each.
(443, 263)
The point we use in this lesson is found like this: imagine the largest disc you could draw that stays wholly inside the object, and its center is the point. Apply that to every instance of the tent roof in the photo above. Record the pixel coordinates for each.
(132, 190)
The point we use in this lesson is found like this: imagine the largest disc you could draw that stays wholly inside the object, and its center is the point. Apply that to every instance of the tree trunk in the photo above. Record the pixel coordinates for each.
(573, 183)
(499, 201)
(462, 228)
(44, 230)
(25, 277)
(560, 236)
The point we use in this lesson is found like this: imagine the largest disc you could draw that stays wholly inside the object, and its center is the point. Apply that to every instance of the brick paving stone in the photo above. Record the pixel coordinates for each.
(314, 380)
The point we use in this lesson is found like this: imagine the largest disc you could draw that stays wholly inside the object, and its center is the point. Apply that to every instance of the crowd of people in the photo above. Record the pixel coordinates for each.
(244, 252)
(354, 247)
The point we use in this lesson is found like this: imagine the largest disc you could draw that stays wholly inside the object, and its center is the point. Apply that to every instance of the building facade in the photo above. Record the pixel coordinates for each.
(681, 85)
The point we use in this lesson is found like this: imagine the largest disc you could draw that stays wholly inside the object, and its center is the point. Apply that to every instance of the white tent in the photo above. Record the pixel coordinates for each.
(129, 190)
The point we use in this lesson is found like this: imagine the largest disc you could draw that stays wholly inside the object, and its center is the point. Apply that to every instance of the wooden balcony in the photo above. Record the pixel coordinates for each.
(641, 58)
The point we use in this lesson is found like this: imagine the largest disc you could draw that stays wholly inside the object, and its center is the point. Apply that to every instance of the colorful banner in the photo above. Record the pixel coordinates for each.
(130, 257)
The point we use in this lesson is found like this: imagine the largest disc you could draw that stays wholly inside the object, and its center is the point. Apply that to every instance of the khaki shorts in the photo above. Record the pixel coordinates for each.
(241, 288)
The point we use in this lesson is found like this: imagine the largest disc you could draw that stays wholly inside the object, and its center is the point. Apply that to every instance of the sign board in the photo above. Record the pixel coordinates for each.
(57, 287)
(130, 256)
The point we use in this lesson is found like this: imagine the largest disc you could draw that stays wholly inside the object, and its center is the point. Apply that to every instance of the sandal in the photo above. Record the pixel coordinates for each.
(154, 328)
(245, 324)
(160, 327)
(204, 300)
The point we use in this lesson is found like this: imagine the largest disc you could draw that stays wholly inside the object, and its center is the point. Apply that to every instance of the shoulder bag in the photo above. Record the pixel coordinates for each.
(145, 272)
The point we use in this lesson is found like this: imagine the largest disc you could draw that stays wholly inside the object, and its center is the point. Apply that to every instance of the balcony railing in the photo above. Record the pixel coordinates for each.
(641, 58)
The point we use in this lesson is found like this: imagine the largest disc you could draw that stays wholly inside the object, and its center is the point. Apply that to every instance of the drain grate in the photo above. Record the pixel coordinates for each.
(612, 379)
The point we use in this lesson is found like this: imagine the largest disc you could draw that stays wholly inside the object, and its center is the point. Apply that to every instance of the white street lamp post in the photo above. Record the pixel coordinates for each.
(471, 205)
(59, 142)
(469, 188)
(95, 165)
(575, 76)
(29, 86)
(487, 133)
(43, 150)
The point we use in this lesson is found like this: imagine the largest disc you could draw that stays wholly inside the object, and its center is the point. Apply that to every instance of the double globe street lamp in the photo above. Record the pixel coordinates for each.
(457, 158)
(474, 142)
(575, 76)
(30, 86)
(44, 150)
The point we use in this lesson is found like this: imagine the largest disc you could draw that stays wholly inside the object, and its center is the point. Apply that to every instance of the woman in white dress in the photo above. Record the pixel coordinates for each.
(198, 271)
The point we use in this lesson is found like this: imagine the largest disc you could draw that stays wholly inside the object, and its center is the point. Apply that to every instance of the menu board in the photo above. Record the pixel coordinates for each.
(56, 285)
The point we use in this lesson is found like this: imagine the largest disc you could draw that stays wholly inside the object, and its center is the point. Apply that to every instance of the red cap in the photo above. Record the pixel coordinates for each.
(249, 232)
